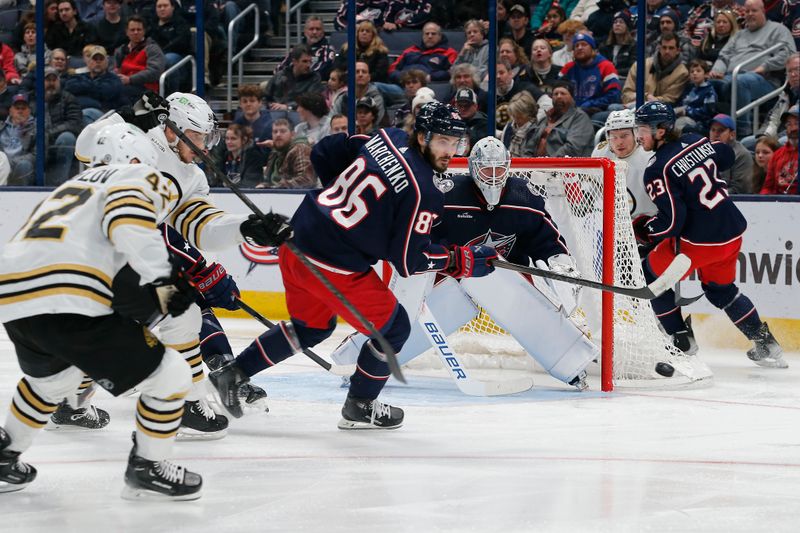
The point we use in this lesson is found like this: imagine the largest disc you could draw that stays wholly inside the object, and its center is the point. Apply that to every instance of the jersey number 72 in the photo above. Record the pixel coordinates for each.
(345, 195)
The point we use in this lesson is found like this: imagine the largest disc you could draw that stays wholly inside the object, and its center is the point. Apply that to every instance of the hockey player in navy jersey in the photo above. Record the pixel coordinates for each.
(378, 201)
(490, 208)
(696, 217)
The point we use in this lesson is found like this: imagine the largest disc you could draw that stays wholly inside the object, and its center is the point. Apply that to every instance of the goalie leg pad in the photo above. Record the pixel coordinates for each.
(517, 306)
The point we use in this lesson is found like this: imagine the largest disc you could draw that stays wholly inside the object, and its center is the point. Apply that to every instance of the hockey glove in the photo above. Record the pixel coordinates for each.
(175, 294)
(640, 229)
(144, 303)
(217, 288)
(470, 261)
(150, 111)
(271, 230)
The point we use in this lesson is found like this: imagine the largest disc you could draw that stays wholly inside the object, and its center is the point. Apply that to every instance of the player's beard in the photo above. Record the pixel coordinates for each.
(438, 164)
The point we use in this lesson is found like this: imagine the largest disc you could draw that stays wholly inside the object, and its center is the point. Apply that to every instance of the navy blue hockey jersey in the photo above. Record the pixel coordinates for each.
(683, 181)
(378, 201)
(518, 227)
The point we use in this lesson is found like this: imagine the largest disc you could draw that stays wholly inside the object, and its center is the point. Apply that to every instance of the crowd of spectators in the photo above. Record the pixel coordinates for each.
(562, 66)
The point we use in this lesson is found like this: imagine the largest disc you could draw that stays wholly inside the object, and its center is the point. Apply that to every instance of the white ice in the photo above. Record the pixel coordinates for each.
(725, 458)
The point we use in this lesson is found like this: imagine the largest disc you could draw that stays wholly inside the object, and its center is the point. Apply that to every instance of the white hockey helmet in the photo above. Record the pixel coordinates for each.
(621, 120)
(120, 144)
(489, 162)
(190, 112)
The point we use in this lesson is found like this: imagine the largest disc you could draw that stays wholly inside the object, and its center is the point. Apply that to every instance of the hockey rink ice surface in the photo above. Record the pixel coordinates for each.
(725, 458)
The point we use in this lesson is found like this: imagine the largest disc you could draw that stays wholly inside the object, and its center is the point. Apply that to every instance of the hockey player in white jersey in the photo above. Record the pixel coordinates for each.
(489, 207)
(68, 310)
(193, 215)
(621, 146)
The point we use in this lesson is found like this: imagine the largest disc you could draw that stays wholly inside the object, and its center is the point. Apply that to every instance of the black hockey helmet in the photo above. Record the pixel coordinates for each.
(437, 117)
(656, 115)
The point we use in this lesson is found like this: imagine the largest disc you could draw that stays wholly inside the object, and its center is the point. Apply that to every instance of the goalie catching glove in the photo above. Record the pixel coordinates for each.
(270, 230)
(470, 261)
(215, 285)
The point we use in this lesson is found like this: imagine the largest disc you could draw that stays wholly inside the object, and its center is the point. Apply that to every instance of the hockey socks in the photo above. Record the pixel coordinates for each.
(269, 349)
(214, 345)
(370, 375)
(736, 305)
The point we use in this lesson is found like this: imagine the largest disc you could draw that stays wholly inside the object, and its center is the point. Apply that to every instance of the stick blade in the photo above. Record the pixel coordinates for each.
(495, 388)
(672, 275)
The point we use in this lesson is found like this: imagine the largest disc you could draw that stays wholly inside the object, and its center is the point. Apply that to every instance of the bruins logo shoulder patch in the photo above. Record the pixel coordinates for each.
(149, 338)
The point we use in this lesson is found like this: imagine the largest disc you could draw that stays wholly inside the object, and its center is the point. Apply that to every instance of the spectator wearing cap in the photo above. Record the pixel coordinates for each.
(782, 169)
(171, 33)
(424, 95)
(433, 56)
(475, 51)
(364, 87)
(568, 30)
(620, 45)
(70, 32)
(518, 133)
(63, 122)
(565, 130)
(755, 79)
(665, 76)
(313, 111)
(466, 102)
(669, 22)
(18, 141)
(7, 62)
(739, 176)
(519, 23)
(412, 81)
(110, 28)
(289, 163)
(365, 116)
(25, 59)
(98, 90)
(292, 81)
(593, 76)
(252, 113)
(140, 62)
(465, 76)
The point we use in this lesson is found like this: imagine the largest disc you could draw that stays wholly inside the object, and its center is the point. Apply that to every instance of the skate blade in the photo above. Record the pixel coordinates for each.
(256, 408)
(352, 424)
(145, 495)
(12, 487)
(188, 434)
(772, 362)
(68, 428)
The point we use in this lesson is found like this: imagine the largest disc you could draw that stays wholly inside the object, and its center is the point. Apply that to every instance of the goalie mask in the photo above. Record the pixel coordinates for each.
(489, 163)
(120, 144)
(192, 114)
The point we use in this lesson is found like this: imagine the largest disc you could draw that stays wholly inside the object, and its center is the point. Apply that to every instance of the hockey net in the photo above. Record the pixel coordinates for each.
(589, 201)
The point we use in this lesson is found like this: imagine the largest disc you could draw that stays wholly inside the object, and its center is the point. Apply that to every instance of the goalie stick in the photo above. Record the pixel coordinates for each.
(261, 318)
(386, 352)
(674, 272)
(465, 383)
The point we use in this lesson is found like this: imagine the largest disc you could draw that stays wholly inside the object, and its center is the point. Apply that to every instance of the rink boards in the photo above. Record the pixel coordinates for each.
(768, 270)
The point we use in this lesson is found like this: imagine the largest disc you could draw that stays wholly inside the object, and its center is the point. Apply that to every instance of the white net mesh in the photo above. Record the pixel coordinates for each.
(574, 198)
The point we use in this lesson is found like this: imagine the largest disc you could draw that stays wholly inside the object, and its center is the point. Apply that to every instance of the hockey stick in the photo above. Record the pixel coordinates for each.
(261, 318)
(466, 384)
(386, 351)
(680, 301)
(674, 272)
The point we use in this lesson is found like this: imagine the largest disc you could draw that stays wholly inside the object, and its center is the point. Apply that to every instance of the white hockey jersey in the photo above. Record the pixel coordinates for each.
(65, 256)
(638, 199)
(191, 212)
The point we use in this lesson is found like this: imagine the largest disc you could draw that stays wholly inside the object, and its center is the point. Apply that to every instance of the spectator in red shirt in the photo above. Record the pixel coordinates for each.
(782, 170)
(433, 56)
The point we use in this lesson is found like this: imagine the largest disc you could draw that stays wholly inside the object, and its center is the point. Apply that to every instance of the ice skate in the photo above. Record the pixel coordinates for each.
(159, 480)
(228, 380)
(579, 382)
(360, 413)
(200, 422)
(68, 419)
(253, 398)
(684, 339)
(14, 474)
(766, 351)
